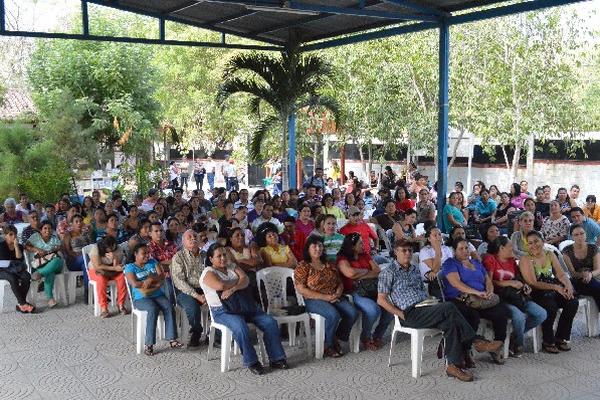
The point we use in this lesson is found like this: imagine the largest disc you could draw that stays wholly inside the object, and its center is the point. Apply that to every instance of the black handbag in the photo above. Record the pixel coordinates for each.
(367, 288)
(241, 302)
(513, 296)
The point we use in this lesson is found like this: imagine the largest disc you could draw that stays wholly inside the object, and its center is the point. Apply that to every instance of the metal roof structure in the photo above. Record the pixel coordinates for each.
(313, 25)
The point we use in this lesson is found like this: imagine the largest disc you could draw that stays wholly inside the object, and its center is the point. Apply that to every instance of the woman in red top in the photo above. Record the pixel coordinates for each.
(504, 272)
(403, 201)
(360, 275)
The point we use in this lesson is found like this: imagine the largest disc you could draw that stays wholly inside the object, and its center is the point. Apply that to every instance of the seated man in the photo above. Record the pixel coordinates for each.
(401, 289)
(591, 227)
(387, 220)
(186, 268)
(267, 216)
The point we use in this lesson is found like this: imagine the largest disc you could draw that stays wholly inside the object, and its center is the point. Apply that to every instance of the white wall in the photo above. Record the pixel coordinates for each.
(555, 174)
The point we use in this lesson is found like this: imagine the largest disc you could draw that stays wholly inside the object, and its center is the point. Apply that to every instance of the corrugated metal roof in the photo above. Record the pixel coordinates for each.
(277, 22)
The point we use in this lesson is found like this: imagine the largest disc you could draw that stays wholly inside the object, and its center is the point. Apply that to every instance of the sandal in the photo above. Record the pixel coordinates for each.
(175, 344)
(370, 345)
(104, 314)
(23, 309)
(331, 352)
(52, 303)
(123, 310)
(149, 350)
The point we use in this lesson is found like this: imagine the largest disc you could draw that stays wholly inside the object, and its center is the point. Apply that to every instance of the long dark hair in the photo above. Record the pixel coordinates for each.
(211, 252)
(312, 239)
(347, 249)
(494, 246)
(106, 244)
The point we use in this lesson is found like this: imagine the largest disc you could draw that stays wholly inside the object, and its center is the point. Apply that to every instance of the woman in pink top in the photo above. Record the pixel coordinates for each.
(304, 223)
(516, 197)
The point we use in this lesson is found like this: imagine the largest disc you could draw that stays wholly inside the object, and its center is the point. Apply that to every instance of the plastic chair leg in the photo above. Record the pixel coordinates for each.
(211, 342)
(205, 322)
(307, 335)
(394, 333)
(140, 337)
(319, 337)
(292, 333)
(2, 285)
(416, 343)
(226, 338)
(355, 335)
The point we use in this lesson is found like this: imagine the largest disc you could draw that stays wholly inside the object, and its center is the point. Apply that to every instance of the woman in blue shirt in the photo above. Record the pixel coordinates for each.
(146, 280)
(452, 214)
(464, 275)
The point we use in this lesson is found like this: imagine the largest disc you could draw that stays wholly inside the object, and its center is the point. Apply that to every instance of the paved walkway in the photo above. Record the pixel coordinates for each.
(66, 353)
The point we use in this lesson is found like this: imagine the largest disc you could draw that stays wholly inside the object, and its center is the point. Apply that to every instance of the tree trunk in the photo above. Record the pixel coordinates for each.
(461, 133)
(284, 160)
(369, 164)
(530, 160)
(515, 163)
(315, 154)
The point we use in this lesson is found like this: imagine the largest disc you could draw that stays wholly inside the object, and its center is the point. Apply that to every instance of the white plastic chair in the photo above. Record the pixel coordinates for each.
(92, 291)
(3, 284)
(486, 329)
(274, 280)
(60, 292)
(71, 284)
(138, 327)
(226, 339)
(564, 244)
(592, 316)
(182, 322)
(417, 338)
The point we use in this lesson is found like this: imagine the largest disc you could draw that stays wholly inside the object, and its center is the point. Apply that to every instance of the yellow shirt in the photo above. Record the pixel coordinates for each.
(335, 211)
(279, 255)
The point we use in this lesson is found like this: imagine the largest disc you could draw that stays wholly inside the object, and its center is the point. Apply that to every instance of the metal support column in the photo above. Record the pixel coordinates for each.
(444, 60)
(85, 20)
(2, 16)
(161, 29)
(292, 149)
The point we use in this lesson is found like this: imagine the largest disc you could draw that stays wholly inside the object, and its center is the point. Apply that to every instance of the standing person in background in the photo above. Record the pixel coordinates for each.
(173, 175)
(199, 172)
(334, 171)
(210, 167)
(230, 175)
(186, 173)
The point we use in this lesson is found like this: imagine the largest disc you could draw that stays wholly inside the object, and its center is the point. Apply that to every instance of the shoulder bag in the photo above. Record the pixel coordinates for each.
(367, 288)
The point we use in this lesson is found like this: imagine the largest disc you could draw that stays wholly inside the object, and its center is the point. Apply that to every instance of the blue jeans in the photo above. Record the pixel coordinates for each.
(168, 289)
(192, 311)
(153, 305)
(241, 333)
(523, 322)
(339, 317)
(592, 288)
(370, 312)
(211, 180)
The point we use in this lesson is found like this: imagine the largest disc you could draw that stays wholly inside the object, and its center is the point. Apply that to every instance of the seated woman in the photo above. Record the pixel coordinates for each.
(583, 261)
(74, 240)
(132, 222)
(465, 277)
(330, 208)
(11, 216)
(173, 234)
(555, 228)
(146, 280)
(530, 206)
(502, 268)
(106, 264)
(489, 233)
(319, 230)
(142, 236)
(33, 227)
(220, 280)
(519, 238)
(359, 274)
(332, 240)
(458, 232)
(16, 271)
(272, 253)
(405, 229)
(113, 230)
(452, 214)
(552, 290)
(500, 215)
(319, 282)
(98, 225)
(47, 262)
(304, 223)
(244, 257)
(431, 258)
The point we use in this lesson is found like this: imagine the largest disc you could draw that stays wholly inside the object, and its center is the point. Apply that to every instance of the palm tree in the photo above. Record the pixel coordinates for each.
(285, 84)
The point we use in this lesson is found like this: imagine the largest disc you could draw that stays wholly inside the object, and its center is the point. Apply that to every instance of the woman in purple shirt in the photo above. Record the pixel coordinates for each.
(464, 275)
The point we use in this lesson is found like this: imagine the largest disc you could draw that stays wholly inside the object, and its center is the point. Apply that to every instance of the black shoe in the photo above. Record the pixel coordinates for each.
(194, 340)
(282, 364)
(257, 368)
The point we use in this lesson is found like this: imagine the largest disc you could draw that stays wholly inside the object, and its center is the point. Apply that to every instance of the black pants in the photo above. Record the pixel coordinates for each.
(446, 317)
(551, 302)
(199, 178)
(174, 183)
(498, 315)
(592, 288)
(184, 181)
(19, 283)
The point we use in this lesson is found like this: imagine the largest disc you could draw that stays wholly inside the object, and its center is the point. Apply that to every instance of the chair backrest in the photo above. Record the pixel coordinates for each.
(28, 256)
(564, 244)
(275, 281)
(129, 294)
(86, 253)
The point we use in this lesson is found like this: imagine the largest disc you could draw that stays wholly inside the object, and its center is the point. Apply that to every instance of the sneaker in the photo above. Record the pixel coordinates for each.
(282, 364)
(257, 368)
(562, 345)
(517, 351)
(194, 340)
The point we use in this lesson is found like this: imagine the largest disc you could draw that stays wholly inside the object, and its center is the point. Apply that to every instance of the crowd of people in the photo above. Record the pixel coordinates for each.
(351, 251)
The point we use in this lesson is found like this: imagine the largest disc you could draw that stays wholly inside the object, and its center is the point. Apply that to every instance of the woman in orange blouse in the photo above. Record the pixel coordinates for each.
(319, 282)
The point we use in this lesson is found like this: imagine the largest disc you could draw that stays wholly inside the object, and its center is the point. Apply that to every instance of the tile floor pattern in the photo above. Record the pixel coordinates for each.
(66, 353)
